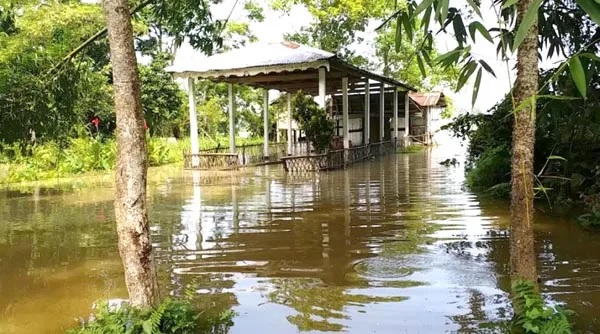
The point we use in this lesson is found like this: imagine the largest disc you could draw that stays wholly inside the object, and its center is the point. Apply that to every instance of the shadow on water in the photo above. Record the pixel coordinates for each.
(389, 246)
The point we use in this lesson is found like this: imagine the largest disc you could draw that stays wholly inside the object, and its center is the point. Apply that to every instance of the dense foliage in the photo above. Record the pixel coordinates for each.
(171, 316)
(342, 25)
(56, 108)
(35, 104)
(567, 151)
(314, 121)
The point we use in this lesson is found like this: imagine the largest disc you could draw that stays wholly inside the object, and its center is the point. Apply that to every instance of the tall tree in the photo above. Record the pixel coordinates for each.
(336, 24)
(130, 197)
(518, 36)
(522, 251)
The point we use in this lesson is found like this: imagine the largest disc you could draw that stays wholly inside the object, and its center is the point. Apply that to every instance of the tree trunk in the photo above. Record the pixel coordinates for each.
(130, 197)
(522, 251)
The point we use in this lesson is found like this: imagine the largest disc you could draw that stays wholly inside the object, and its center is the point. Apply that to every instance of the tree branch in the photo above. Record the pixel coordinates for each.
(100, 34)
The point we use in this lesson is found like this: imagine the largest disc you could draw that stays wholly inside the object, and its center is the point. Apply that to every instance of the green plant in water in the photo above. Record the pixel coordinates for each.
(314, 121)
(590, 220)
(533, 316)
(171, 316)
(411, 149)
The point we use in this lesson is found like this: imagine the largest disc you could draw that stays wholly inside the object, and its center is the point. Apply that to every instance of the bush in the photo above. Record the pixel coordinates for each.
(492, 168)
(314, 121)
(171, 316)
(533, 316)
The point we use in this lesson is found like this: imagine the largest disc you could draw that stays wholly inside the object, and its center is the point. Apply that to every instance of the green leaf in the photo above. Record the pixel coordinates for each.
(558, 97)
(147, 326)
(421, 66)
(592, 8)
(487, 67)
(406, 22)
(534, 313)
(591, 56)
(528, 20)
(460, 33)
(465, 74)
(422, 6)
(578, 75)
(448, 55)
(477, 26)
(398, 33)
(444, 10)
(426, 19)
(476, 87)
(509, 3)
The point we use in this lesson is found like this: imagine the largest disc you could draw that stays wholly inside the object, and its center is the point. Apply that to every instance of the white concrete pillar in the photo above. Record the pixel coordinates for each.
(395, 111)
(277, 135)
(195, 145)
(266, 123)
(322, 86)
(406, 120)
(345, 120)
(289, 123)
(427, 125)
(367, 123)
(231, 119)
(382, 112)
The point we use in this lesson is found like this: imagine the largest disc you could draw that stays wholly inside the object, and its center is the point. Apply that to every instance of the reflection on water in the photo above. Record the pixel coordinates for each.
(389, 246)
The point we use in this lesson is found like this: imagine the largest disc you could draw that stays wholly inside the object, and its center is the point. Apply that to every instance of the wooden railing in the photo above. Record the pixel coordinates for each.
(211, 161)
(219, 157)
(337, 159)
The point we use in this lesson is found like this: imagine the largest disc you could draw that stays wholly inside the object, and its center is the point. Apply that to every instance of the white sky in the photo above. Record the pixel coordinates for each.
(276, 25)
(492, 90)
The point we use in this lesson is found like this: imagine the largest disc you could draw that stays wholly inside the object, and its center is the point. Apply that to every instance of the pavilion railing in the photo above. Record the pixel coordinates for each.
(220, 157)
(337, 159)
(211, 161)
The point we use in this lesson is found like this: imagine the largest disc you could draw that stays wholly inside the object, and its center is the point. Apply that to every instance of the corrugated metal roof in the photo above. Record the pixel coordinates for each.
(430, 99)
(280, 58)
(254, 55)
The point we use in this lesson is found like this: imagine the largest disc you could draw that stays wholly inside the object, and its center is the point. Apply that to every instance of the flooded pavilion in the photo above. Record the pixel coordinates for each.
(374, 114)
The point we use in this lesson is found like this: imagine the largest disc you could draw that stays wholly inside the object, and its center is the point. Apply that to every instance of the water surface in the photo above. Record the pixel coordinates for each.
(393, 245)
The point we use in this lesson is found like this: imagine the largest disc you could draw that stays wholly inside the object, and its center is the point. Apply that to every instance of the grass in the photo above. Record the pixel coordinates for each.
(83, 155)
(411, 149)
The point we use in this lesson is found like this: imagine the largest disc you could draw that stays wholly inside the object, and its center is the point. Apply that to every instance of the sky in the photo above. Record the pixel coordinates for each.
(277, 24)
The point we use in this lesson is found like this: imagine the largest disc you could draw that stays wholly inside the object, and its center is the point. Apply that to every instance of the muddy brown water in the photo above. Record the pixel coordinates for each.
(393, 245)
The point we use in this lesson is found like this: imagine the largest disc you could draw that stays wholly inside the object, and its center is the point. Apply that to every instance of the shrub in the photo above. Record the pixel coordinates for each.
(492, 168)
(533, 316)
(314, 121)
(171, 316)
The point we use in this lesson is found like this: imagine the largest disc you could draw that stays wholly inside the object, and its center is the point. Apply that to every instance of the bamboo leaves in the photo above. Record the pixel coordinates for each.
(529, 19)
(476, 26)
(476, 87)
(592, 8)
(578, 75)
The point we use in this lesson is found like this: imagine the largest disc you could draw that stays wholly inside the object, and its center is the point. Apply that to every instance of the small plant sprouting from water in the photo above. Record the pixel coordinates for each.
(533, 316)
(411, 149)
(171, 316)
(450, 162)
(590, 220)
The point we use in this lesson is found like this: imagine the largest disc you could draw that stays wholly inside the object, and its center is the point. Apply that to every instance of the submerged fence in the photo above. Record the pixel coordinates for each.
(219, 158)
(337, 159)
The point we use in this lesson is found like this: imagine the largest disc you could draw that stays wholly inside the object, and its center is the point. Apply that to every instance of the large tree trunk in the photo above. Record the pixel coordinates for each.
(130, 197)
(522, 251)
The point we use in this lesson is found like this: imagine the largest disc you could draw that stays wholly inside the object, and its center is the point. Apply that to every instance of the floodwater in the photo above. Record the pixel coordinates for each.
(393, 245)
